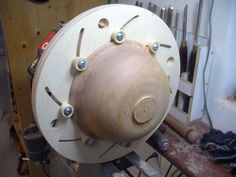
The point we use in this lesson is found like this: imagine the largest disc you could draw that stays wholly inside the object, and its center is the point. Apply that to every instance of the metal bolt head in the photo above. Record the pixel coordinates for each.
(154, 47)
(118, 36)
(89, 141)
(82, 64)
(165, 146)
(67, 110)
(61, 23)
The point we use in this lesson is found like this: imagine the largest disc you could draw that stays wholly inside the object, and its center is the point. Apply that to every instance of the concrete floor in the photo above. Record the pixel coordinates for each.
(8, 152)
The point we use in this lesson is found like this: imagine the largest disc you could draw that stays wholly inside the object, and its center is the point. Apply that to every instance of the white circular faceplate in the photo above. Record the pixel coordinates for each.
(55, 74)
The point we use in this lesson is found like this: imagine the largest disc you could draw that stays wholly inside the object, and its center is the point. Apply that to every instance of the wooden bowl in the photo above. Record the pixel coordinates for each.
(122, 95)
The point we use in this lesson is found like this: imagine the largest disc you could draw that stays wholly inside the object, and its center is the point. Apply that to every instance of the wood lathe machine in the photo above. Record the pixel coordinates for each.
(103, 86)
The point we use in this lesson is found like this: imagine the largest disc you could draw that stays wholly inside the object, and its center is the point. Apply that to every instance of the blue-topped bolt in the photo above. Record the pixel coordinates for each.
(80, 63)
(118, 36)
(67, 110)
(89, 141)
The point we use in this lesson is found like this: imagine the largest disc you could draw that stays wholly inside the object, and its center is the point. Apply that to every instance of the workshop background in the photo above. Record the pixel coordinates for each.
(222, 84)
(25, 24)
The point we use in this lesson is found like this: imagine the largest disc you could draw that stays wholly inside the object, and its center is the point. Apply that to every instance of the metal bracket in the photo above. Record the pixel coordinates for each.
(142, 165)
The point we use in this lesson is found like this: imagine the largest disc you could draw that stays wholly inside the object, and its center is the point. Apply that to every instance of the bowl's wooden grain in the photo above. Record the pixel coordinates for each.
(122, 95)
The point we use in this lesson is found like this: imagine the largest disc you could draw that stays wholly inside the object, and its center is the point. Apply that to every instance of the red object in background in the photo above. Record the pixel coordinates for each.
(31, 69)
(46, 41)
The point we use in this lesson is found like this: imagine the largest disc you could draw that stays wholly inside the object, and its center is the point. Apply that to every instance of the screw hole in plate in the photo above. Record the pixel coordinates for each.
(103, 23)
(54, 123)
(170, 61)
(57, 122)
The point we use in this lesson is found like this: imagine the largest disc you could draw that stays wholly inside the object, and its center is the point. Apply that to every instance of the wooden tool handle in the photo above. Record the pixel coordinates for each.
(183, 52)
(186, 132)
(192, 61)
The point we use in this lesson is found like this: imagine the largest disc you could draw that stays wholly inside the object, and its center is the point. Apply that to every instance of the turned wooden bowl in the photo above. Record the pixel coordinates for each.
(122, 95)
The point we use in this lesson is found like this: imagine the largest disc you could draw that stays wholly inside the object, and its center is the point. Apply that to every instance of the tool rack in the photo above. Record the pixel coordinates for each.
(194, 90)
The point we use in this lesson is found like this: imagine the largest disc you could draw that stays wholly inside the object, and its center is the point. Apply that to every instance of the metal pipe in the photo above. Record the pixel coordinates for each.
(185, 22)
(176, 24)
(158, 140)
(170, 15)
(163, 14)
(198, 21)
(146, 169)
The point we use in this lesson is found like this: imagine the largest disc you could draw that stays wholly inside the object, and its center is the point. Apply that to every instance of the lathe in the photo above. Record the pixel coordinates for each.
(104, 84)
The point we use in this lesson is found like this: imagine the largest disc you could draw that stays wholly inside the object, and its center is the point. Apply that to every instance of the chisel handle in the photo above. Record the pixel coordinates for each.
(186, 100)
(183, 52)
(177, 98)
(192, 62)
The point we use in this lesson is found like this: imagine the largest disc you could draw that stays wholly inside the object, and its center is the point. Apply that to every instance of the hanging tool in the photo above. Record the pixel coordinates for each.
(170, 15)
(154, 8)
(193, 55)
(183, 52)
(150, 6)
(176, 24)
(163, 14)
(183, 46)
(109, 2)
(141, 4)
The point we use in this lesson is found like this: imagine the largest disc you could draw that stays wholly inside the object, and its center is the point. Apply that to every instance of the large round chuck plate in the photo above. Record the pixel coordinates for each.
(122, 95)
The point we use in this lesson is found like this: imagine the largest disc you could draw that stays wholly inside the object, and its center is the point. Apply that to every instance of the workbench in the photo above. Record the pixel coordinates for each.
(190, 158)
